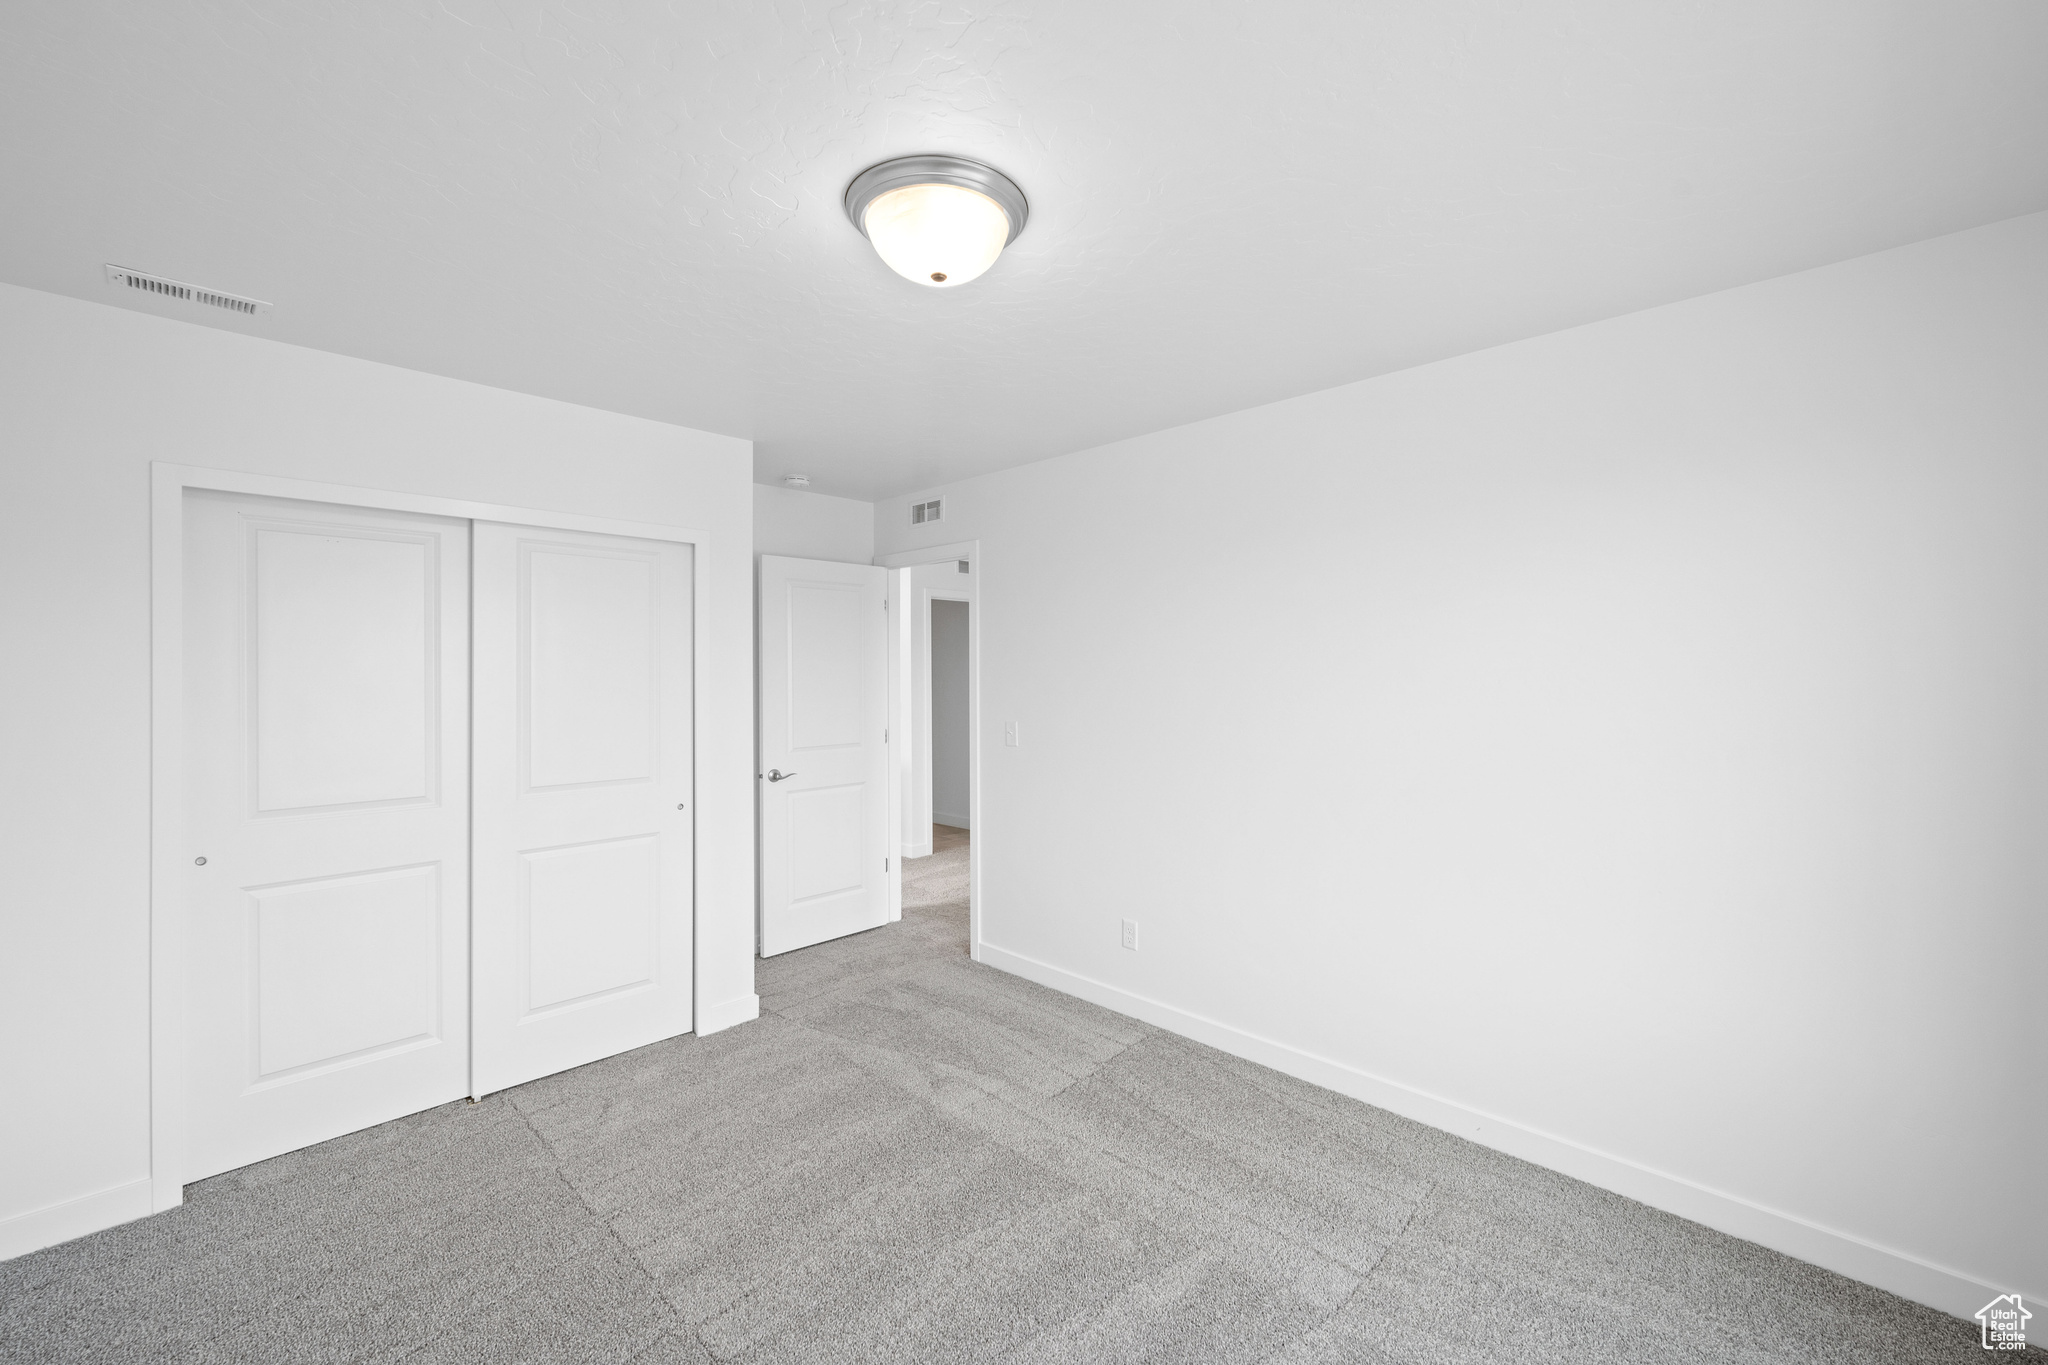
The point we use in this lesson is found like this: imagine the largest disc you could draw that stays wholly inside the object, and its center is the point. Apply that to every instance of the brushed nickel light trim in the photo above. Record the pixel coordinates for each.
(936, 169)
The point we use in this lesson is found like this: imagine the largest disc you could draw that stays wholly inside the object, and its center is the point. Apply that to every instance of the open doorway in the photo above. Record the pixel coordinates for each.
(940, 823)
(936, 886)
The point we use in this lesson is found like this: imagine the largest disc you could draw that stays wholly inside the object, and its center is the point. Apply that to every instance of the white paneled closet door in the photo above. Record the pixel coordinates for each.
(583, 850)
(326, 824)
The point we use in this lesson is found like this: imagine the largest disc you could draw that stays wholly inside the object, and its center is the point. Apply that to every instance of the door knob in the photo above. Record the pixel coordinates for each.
(777, 775)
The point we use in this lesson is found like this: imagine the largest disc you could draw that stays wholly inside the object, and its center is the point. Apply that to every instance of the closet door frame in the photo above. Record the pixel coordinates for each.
(167, 851)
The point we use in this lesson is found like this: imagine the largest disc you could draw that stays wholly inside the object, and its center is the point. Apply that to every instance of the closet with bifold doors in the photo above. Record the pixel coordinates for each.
(438, 806)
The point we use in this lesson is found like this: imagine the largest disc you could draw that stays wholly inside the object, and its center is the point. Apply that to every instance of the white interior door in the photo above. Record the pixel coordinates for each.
(327, 821)
(584, 846)
(824, 678)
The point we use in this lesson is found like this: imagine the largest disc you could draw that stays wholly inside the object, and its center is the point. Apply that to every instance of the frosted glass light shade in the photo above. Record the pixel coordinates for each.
(936, 219)
(937, 235)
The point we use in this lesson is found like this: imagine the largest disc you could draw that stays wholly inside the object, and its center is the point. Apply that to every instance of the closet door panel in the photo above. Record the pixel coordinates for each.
(583, 836)
(326, 759)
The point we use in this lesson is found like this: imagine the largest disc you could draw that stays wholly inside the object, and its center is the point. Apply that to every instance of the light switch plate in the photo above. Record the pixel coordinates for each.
(1010, 733)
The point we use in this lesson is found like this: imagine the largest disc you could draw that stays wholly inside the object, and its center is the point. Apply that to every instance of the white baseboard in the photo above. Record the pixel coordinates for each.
(953, 821)
(1894, 1271)
(723, 1015)
(923, 850)
(60, 1222)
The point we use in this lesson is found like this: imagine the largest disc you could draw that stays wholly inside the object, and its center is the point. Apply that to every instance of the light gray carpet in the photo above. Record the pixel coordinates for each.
(940, 881)
(911, 1158)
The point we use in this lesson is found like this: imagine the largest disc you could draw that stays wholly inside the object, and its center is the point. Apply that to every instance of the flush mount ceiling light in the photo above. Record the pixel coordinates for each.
(939, 221)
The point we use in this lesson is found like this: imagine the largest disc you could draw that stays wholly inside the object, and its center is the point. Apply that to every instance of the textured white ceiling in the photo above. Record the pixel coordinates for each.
(636, 205)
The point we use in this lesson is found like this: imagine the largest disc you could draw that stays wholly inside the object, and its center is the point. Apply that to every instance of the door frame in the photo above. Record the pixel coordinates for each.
(901, 620)
(922, 768)
(167, 927)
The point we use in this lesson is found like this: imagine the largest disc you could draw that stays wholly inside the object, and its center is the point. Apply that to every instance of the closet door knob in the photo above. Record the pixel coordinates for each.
(777, 775)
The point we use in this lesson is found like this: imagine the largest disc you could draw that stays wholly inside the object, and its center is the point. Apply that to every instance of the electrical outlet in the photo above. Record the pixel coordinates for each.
(1131, 934)
(1010, 733)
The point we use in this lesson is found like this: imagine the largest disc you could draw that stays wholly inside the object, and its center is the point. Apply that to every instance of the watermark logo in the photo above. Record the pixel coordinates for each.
(2005, 1323)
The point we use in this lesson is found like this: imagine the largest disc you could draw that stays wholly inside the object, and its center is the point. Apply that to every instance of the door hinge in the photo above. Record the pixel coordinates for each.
(885, 864)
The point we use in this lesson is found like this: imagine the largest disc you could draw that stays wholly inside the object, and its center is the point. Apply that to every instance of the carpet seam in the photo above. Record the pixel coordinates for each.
(676, 1318)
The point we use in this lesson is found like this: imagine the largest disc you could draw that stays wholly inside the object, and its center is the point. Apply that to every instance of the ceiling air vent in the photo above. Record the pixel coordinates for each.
(189, 293)
(922, 512)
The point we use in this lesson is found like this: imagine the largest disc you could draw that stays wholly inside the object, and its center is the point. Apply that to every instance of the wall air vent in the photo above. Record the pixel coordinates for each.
(922, 512)
(189, 293)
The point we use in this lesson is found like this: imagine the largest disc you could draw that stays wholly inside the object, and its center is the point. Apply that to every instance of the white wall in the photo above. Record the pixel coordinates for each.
(949, 714)
(806, 525)
(92, 395)
(1627, 747)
